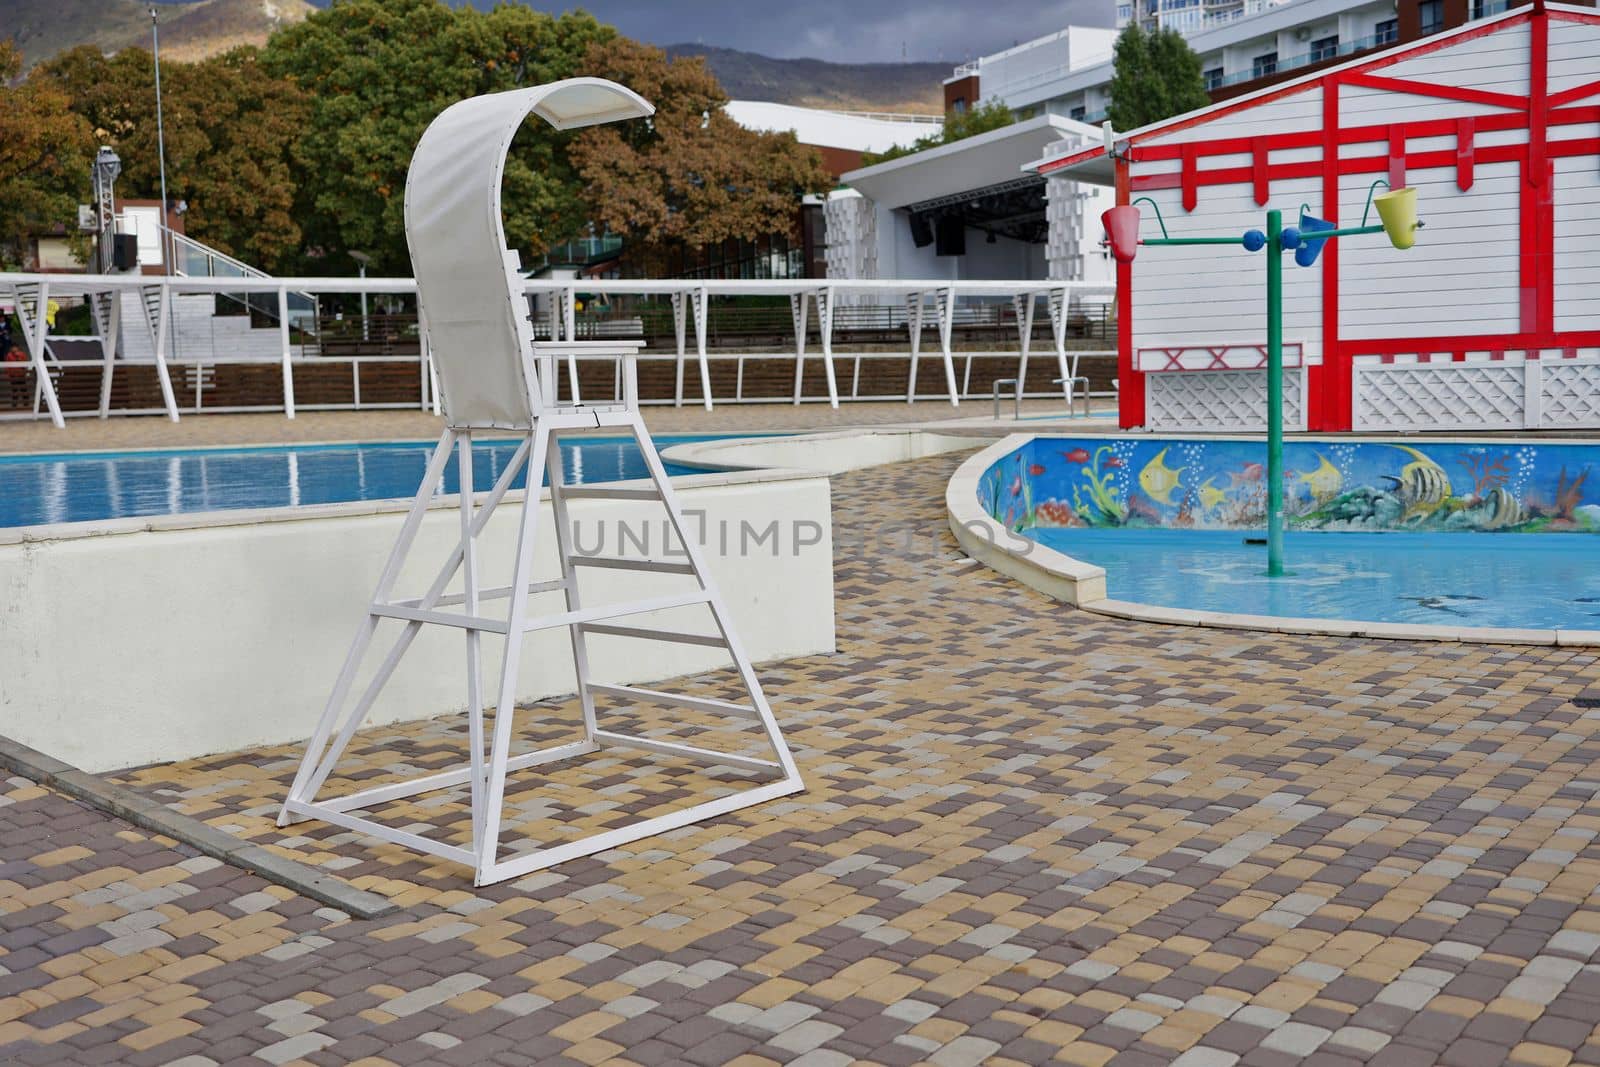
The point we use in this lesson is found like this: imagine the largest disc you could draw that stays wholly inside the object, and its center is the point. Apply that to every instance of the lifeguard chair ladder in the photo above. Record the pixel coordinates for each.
(493, 378)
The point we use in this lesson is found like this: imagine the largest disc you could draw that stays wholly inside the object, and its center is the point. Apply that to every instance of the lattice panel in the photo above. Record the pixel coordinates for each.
(1219, 400)
(1435, 396)
(851, 225)
(1569, 393)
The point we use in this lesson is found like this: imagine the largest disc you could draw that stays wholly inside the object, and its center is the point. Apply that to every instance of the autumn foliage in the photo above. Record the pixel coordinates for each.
(294, 155)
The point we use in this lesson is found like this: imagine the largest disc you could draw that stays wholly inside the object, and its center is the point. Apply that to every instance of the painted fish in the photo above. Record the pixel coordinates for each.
(1422, 485)
(1077, 455)
(1016, 486)
(1210, 495)
(1115, 461)
(1250, 472)
(1325, 481)
(1159, 480)
(1499, 510)
(1036, 469)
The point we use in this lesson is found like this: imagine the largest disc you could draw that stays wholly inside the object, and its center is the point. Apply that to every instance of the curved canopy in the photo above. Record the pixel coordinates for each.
(473, 311)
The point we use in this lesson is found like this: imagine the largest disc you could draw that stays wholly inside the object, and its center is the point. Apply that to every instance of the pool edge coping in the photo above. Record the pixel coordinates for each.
(1083, 584)
(198, 520)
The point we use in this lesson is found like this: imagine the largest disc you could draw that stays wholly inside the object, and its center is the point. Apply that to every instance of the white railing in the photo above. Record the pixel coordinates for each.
(183, 383)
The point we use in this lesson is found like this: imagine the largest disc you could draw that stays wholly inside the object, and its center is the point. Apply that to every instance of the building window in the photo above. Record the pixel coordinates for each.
(1324, 48)
(1213, 79)
(959, 105)
(1386, 32)
(1077, 114)
(1261, 66)
(1430, 16)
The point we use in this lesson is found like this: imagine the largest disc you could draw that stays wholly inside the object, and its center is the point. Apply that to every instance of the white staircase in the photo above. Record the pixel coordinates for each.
(196, 331)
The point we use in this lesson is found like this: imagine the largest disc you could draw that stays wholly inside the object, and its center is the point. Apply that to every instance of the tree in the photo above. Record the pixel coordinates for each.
(1154, 76)
(690, 176)
(378, 71)
(958, 125)
(45, 153)
(230, 130)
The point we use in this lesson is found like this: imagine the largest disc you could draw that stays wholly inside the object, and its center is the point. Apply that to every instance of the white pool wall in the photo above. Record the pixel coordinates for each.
(146, 640)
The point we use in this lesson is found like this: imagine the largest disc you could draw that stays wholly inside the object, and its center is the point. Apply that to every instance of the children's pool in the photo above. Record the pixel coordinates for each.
(82, 487)
(1443, 579)
(1499, 532)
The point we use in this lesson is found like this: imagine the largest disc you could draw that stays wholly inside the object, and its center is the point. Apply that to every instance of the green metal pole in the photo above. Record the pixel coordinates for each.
(1274, 252)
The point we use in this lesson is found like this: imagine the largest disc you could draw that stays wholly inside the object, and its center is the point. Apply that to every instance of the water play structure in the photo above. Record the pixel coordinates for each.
(494, 380)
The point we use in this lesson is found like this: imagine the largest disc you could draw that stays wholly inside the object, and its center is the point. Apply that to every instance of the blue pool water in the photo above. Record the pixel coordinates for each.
(83, 487)
(1446, 579)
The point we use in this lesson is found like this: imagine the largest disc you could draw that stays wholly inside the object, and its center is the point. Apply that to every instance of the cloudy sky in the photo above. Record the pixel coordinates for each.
(845, 31)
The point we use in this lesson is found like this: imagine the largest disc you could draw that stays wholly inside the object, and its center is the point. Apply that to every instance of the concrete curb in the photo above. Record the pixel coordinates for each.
(155, 816)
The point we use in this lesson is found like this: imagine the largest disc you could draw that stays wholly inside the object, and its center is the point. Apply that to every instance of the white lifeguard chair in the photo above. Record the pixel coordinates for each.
(475, 319)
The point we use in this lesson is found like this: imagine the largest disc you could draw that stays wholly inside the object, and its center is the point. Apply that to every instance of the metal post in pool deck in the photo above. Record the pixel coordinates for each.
(1274, 252)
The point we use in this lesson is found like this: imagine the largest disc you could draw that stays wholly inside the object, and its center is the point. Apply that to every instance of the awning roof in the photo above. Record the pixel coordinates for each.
(980, 162)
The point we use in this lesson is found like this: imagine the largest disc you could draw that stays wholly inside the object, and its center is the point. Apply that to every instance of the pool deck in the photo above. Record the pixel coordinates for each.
(1030, 833)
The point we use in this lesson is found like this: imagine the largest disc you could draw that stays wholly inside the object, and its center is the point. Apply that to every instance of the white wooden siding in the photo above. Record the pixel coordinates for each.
(1297, 112)
(1574, 47)
(1496, 62)
(1463, 276)
(1577, 244)
(1200, 295)
(1360, 106)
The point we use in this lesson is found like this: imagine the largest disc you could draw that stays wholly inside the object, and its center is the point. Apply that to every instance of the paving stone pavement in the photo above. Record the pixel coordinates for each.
(1030, 834)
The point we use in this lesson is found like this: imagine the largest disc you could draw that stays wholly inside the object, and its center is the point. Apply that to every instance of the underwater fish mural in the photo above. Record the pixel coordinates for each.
(1325, 481)
(1249, 474)
(1422, 485)
(1331, 485)
(1499, 510)
(1159, 480)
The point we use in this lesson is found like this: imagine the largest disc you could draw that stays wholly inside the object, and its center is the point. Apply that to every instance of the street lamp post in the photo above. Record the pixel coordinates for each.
(1397, 209)
(161, 147)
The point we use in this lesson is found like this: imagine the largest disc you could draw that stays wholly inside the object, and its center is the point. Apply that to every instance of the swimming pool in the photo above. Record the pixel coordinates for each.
(82, 487)
(1491, 533)
(1443, 579)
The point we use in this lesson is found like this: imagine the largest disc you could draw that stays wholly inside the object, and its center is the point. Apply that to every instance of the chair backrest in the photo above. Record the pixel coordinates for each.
(473, 313)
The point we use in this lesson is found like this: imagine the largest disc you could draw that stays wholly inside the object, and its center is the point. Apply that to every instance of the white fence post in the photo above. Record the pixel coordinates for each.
(288, 364)
(799, 310)
(163, 334)
(944, 301)
(914, 307)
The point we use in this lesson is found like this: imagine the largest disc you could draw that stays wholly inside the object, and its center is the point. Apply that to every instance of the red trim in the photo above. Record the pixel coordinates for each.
(1577, 92)
(1130, 383)
(1262, 181)
(1464, 154)
(1448, 92)
(1075, 158)
(1397, 156)
(1538, 93)
(1330, 383)
(1190, 189)
(1446, 158)
(1538, 260)
(1468, 342)
(1232, 146)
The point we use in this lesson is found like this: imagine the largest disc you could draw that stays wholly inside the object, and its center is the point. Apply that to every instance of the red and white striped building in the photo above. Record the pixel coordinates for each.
(1491, 321)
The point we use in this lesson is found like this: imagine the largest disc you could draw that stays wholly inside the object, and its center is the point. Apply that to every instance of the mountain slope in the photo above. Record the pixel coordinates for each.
(43, 28)
(908, 87)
